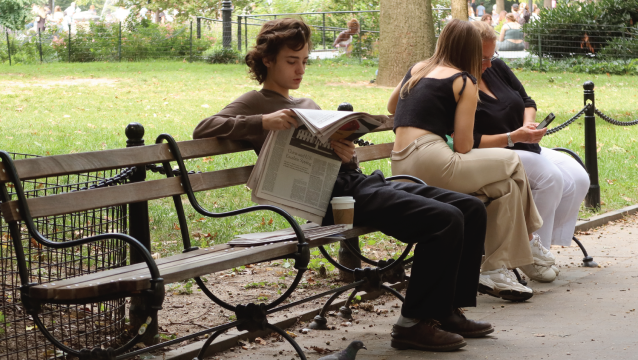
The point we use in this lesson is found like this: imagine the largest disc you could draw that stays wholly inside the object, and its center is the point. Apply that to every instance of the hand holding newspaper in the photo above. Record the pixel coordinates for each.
(297, 168)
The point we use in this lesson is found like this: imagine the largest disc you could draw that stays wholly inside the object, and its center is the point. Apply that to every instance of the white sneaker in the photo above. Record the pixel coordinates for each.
(542, 256)
(556, 270)
(539, 272)
(502, 283)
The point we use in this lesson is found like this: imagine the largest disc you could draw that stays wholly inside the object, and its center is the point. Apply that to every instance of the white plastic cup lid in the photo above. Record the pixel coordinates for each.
(342, 200)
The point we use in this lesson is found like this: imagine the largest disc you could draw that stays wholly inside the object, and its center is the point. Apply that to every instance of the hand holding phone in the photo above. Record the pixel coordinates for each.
(546, 122)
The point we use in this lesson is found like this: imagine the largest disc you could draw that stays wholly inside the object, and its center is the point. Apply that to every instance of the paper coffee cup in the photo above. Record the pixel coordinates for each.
(343, 210)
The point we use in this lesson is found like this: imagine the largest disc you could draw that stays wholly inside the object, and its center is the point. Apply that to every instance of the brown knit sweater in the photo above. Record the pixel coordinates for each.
(242, 119)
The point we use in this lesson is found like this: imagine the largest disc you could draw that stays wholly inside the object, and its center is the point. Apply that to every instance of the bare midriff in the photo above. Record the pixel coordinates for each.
(405, 135)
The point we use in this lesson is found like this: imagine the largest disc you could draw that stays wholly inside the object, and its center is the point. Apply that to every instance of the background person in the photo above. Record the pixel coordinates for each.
(438, 97)
(515, 12)
(524, 14)
(344, 38)
(559, 184)
(447, 227)
(487, 18)
(480, 10)
(511, 37)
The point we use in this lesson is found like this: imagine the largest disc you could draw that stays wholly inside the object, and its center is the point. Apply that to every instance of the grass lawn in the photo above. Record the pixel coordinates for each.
(63, 108)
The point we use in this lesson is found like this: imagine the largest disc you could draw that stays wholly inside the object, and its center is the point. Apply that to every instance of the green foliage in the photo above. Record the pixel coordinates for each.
(577, 65)
(101, 42)
(14, 13)
(185, 288)
(621, 48)
(220, 55)
(577, 28)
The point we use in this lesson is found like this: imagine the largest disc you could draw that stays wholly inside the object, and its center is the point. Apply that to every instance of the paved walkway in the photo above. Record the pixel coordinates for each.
(587, 313)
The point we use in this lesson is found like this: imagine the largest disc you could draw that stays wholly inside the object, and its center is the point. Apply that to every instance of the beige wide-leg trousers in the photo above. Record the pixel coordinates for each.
(495, 173)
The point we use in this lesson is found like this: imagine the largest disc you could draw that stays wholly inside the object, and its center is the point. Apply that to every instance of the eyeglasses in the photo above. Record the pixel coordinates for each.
(492, 58)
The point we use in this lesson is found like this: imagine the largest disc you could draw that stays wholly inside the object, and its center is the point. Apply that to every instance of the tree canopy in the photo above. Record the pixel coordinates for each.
(14, 13)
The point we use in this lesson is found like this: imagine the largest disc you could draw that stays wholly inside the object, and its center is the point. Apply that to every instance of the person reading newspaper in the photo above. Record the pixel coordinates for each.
(448, 228)
(297, 168)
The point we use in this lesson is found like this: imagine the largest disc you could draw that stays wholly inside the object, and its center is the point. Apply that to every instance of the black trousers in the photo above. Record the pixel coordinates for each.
(447, 227)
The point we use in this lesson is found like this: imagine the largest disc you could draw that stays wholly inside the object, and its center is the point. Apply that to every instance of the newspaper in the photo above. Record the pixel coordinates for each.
(296, 170)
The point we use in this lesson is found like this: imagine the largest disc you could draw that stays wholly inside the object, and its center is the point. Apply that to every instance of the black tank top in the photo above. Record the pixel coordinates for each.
(430, 105)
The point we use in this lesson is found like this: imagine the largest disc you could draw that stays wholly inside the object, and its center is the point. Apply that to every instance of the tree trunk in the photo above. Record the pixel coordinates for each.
(547, 4)
(460, 9)
(500, 5)
(407, 36)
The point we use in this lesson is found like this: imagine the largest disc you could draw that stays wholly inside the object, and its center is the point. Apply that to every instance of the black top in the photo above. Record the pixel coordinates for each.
(430, 105)
(505, 113)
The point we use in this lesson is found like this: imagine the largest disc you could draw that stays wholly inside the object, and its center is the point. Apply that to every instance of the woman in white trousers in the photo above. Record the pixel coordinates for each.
(559, 185)
(506, 118)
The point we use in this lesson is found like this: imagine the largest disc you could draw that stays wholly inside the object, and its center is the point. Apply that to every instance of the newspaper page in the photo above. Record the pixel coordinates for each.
(334, 125)
(299, 173)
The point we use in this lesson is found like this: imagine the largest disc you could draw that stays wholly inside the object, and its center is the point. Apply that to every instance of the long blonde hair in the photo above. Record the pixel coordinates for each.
(459, 46)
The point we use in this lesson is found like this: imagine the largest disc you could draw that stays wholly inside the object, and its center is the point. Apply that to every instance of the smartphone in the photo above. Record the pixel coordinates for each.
(548, 120)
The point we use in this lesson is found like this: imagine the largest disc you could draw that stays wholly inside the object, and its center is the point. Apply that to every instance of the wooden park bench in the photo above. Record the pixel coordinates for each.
(145, 278)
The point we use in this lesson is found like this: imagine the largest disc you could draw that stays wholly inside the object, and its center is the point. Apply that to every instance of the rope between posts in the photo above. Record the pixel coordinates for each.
(614, 121)
(568, 122)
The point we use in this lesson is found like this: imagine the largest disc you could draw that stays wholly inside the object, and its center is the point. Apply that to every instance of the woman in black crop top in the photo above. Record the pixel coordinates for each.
(506, 118)
(438, 97)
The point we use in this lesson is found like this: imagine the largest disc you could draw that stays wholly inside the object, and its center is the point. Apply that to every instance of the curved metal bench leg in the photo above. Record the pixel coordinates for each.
(289, 339)
(345, 312)
(210, 340)
(393, 292)
(519, 278)
(588, 261)
(320, 322)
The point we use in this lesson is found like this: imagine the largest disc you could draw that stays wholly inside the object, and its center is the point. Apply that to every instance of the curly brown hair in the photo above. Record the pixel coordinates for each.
(275, 34)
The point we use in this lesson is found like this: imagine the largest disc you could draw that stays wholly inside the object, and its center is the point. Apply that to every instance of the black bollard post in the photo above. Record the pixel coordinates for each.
(119, 43)
(8, 45)
(139, 228)
(239, 33)
(591, 155)
(69, 44)
(191, 39)
(40, 44)
(347, 258)
(227, 12)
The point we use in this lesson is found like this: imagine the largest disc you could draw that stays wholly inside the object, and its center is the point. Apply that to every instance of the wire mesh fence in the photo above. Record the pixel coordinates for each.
(78, 326)
(589, 40)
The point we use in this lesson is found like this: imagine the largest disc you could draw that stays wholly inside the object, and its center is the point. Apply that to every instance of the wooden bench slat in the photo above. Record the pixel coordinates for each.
(124, 194)
(175, 268)
(108, 275)
(374, 152)
(35, 168)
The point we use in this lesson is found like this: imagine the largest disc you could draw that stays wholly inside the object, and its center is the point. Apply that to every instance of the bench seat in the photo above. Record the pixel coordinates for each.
(135, 278)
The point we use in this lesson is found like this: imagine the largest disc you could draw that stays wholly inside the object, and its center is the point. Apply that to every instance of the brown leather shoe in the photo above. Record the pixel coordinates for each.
(425, 336)
(457, 323)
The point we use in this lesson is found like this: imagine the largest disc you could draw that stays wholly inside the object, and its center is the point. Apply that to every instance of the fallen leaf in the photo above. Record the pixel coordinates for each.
(321, 351)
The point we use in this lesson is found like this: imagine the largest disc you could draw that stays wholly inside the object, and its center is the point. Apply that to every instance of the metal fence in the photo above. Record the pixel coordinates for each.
(590, 40)
(326, 26)
(102, 41)
(82, 325)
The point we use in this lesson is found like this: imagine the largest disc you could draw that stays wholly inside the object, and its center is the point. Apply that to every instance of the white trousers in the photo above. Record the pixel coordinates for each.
(559, 184)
